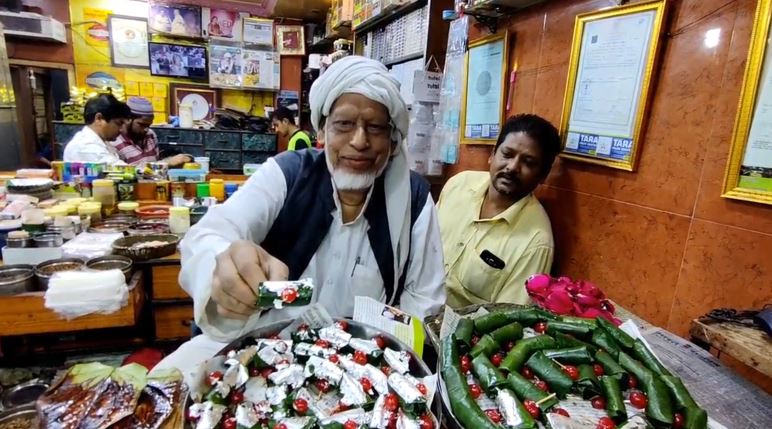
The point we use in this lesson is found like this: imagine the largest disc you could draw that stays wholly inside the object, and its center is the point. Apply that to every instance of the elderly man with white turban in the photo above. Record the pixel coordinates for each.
(353, 218)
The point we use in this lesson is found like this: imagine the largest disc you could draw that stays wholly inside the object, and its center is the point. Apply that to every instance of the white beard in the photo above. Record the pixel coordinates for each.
(348, 181)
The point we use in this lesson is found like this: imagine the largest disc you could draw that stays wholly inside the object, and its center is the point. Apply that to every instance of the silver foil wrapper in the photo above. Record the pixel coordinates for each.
(309, 349)
(322, 405)
(208, 413)
(244, 356)
(398, 361)
(323, 368)
(293, 375)
(276, 394)
(247, 415)
(379, 417)
(353, 394)
(335, 336)
(405, 422)
(255, 390)
(368, 347)
(357, 415)
(405, 389)
(278, 345)
(378, 379)
(236, 374)
(298, 422)
(507, 404)
(272, 357)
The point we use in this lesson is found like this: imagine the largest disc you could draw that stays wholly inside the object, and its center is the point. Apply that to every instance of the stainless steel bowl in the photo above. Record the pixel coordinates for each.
(18, 243)
(48, 239)
(24, 394)
(358, 330)
(16, 279)
(112, 262)
(45, 270)
(26, 413)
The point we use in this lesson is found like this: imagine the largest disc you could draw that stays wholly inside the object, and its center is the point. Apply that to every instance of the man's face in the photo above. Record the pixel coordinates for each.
(517, 166)
(108, 130)
(138, 127)
(357, 137)
(281, 127)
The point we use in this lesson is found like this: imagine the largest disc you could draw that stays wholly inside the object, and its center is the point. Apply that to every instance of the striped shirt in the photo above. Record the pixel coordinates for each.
(133, 154)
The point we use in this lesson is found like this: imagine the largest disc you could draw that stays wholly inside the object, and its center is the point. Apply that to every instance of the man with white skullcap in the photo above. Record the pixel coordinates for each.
(137, 144)
(352, 217)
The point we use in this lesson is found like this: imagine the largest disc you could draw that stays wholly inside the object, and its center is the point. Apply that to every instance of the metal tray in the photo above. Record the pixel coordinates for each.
(15, 413)
(358, 330)
(24, 394)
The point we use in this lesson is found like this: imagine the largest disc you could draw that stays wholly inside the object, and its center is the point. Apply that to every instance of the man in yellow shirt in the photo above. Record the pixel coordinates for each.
(495, 233)
(283, 122)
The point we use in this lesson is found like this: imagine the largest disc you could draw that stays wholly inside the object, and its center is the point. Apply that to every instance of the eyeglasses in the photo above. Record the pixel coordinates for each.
(347, 126)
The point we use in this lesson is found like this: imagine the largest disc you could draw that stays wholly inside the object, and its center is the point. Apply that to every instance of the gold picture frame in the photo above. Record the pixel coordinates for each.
(488, 84)
(603, 116)
(741, 182)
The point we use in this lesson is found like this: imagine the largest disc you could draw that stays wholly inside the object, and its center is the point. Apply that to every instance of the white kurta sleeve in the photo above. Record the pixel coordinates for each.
(247, 215)
(424, 292)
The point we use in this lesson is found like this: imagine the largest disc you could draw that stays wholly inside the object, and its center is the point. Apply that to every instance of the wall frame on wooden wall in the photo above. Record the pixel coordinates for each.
(614, 55)
(198, 96)
(748, 173)
(484, 93)
(128, 41)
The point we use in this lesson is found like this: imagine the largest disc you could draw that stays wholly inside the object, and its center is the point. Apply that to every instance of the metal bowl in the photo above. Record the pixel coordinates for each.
(48, 239)
(24, 394)
(45, 270)
(112, 262)
(358, 330)
(22, 413)
(18, 243)
(109, 226)
(16, 279)
(132, 246)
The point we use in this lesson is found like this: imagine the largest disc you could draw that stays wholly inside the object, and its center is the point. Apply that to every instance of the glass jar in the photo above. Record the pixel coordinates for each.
(179, 220)
(104, 192)
(92, 210)
(126, 187)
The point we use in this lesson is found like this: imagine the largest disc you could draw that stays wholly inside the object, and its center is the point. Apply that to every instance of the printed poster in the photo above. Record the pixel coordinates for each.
(96, 32)
(225, 66)
(261, 69)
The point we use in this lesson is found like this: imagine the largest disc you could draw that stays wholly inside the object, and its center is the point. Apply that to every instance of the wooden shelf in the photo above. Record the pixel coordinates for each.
(388, 16)
(750, 346)
(27, 314)
(404, 59)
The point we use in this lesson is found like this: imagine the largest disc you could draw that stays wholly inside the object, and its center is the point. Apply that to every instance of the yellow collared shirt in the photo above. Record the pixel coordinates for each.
(521, 236)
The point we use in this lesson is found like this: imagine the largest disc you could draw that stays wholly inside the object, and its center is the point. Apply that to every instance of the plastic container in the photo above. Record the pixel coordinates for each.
(7, 226)
(230, 189)
(187, 175)
(104, 192)
(126, 188)
(203, 161)
(179, 220)
(202, 190)
(163, 190)
(217, 189)
(145, 190)
(128, 208)
(92, 209)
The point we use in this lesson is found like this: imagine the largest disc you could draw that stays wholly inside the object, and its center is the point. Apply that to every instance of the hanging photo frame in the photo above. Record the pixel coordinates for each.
(482, 105)
(225, 64)
(290, 40)
(258, 31)
(174, 19)
(203, 100)
(613, 58)
(748, 174)
(128, 41)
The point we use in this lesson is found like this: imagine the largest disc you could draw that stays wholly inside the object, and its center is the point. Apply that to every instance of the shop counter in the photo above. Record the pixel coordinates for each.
(26, 314)
(750, 346)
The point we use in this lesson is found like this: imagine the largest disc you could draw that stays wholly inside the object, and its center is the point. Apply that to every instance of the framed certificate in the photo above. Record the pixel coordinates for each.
(482, 108)
(128, 41)
(613, 56)
(749, 169)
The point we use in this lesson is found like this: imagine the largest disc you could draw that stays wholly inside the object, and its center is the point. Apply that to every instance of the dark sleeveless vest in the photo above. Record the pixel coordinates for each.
(306, 216)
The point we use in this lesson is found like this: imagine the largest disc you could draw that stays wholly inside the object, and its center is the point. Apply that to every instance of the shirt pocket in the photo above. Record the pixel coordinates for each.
(366, 280)
(478, 277)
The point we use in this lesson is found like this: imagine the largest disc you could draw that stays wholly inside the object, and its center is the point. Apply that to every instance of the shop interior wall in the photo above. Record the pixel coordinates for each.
(91, 56)
(661, 241)
(32, 50)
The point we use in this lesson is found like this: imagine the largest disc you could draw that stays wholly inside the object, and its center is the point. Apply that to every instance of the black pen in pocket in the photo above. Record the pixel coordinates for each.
(356, 262)
(492, 260)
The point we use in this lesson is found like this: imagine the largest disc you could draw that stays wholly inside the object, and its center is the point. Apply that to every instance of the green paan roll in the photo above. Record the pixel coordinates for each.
(573, 355)
(565, 341)
(464, 331)
(507, 333)
(659, 408)
(643, 374)
(587, 382)
(695, 417)
(516, 357)
(575, 329)
(611, 367)
(590, 323)
(277, 294)
(487, 373)
(524, 315)
(603, 340)
(615, 403)
(524, 389)
(647, 357)
(486, 346)
(463, 405)
(617, 334)
(551, 373)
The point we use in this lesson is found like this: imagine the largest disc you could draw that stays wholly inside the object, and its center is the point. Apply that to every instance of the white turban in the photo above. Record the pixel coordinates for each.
(370, 78)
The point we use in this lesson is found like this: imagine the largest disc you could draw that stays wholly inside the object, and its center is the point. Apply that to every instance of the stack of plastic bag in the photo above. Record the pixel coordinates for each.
(77, 293)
